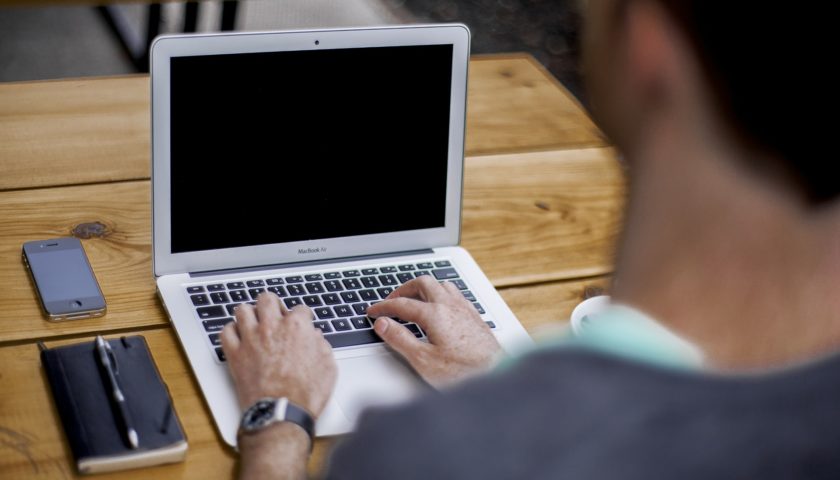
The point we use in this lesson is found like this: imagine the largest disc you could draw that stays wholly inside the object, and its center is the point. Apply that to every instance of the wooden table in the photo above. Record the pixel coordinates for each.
(542, 203)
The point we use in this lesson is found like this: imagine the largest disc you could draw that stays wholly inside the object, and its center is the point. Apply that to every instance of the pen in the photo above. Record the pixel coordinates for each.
(103, 348)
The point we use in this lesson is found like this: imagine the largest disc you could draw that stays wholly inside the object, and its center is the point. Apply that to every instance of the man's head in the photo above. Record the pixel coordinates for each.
(756, 72)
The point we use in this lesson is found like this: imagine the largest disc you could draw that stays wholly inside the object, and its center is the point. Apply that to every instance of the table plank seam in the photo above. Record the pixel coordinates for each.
(548, 147)
(84, 334)
(548, 281)
(80, 184)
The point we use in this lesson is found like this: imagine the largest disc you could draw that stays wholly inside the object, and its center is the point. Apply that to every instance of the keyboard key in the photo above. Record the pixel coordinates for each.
(349, 297)
(479, 308)
(279, 291)
(221, 354)
(219, 297)
(414, 329)
(324, 312)
(343, 311)
(360, 308)
(421, 273)
(445, 273)
(255, 283)
(360, 322)
(238, 296)
(292, 302)
(406, 268)
(351, 273)
(210, 312)
(323, 326)
(469, 295)
(295, 289)
(333, 285)
(369, 271)
(195, 289)
(341, 325)
(275, 281)
(215, 339)
(255, 292)
(199, 300)
(351, 284)
(295, 279)
(216, 325)
(388, 280)
(460, 284)
(388, 269)
(313, 277)
(332, 275)
(314, 287)
(425, 266)
(443, 263)
(368, 295)
(331, 298)
(235, 285)
(216, 287)
(370, 282)
(490, 324)
(384, 292)
(231, 308)
(404, 277)
(350, 339)
(312, 301)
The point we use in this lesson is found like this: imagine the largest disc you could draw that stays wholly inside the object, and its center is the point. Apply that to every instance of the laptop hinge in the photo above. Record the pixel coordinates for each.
(208, 273)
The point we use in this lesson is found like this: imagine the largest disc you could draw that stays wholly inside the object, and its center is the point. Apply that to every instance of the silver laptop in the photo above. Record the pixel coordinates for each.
(325, 167)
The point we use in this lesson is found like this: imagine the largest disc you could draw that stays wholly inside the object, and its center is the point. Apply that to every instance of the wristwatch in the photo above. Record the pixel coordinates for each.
(268, 411)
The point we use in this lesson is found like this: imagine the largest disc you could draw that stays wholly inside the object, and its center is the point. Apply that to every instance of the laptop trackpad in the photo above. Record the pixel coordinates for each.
(374, 380)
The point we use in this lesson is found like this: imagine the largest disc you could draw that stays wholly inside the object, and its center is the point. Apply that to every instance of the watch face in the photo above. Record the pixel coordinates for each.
(259, 414)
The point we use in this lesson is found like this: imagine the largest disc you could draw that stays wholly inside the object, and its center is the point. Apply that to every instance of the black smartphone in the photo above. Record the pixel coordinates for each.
(63, 279)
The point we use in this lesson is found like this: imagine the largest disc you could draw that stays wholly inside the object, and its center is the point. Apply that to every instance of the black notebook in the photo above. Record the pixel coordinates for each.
(91, 421)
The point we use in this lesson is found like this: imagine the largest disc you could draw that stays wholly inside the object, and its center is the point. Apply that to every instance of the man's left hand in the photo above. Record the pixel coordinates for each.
(274, 352)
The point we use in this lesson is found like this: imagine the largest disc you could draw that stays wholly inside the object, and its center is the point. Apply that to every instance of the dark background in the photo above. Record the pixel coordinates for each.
(548, 29)
(61, 41)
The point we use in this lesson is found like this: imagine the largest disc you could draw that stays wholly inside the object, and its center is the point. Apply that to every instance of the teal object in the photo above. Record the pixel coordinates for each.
(626, 332)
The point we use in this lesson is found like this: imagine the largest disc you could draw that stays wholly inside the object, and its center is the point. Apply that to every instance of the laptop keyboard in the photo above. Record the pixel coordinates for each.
(339, 299)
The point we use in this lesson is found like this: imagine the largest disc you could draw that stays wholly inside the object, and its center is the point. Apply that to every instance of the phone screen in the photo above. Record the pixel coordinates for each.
(63, 277)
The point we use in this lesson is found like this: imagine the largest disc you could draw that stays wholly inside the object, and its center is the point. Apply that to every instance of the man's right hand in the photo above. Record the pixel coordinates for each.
(460, 343)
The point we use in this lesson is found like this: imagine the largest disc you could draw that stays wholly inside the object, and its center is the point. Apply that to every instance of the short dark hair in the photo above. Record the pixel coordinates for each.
(768, 65)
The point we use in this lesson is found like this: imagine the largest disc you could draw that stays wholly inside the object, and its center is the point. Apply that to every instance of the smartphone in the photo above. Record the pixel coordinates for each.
(64, 281)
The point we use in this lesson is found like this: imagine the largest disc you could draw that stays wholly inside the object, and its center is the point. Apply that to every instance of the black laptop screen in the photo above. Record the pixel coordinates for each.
(289, 146)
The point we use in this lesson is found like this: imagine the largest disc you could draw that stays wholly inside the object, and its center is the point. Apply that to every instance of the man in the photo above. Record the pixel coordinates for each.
(731, 240)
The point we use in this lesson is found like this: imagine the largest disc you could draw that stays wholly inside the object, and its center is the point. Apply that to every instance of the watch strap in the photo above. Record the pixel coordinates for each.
(302, 418)
(284, 411)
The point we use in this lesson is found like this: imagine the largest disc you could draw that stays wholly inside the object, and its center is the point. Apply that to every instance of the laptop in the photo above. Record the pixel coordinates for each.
(325, 167)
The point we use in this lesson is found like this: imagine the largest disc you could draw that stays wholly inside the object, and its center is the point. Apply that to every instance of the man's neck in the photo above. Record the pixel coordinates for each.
(730, 261)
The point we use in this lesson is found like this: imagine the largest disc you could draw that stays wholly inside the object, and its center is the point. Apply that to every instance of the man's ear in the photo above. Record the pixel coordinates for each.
(651, 53)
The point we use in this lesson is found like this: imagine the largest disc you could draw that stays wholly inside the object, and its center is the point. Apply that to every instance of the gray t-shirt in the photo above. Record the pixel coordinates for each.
(577, 414)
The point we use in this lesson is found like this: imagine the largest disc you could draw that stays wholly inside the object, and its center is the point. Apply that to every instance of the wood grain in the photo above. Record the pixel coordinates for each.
(69, 132)
(513, 240)
(544, 309)
(514, 104)
(543, 216)
(32, 444)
